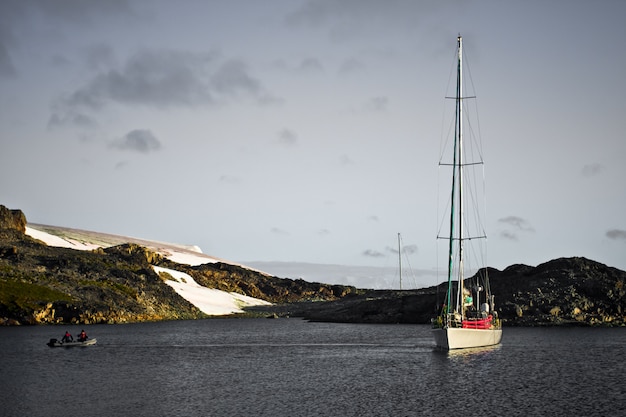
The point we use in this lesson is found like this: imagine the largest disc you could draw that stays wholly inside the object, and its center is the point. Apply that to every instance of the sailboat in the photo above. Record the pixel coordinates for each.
(465, 320)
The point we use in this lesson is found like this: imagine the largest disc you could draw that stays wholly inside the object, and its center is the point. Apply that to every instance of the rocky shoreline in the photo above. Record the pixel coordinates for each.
(563, 292)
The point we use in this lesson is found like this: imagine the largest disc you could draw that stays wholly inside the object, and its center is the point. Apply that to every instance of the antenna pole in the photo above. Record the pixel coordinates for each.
(400, 259)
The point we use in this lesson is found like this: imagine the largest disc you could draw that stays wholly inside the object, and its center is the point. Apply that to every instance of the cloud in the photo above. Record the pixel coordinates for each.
(71, 119)
(232, 78)
(59, 61)
(161, 79)
(11, 15)
(590, 170)
(311, 65)
(616, 234)
(82, 12)
(508, 235)
(268, 99)
(345, 160)
(7, 70)
(371, 253)
(279, 231)
(351, 66)
(308, 65)
(55, 14)
(100, 57)
(518, 224)
(351, 19)
(377, 103)
(323, 232)
(139, 141)
(157, 78)
(287, 137)
(408, 249)
(165, 78)
(229, 179)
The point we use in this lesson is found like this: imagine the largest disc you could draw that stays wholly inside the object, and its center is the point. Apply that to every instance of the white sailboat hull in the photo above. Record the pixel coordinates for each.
(459, 338)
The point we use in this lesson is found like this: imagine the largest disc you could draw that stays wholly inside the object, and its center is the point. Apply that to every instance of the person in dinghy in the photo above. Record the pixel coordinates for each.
(67, 337)
(82, 336)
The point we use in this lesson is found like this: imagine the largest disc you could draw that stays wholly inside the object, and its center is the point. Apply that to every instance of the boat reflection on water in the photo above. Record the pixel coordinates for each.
(470, 352)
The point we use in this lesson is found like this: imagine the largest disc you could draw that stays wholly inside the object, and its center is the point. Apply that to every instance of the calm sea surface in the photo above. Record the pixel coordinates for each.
(289, 367)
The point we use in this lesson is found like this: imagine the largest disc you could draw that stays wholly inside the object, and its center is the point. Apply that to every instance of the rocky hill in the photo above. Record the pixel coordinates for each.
(561, 291)
(44, 284)
(566, 291)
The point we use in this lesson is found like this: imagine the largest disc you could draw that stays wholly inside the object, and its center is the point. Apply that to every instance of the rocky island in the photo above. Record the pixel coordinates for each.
(41, 284)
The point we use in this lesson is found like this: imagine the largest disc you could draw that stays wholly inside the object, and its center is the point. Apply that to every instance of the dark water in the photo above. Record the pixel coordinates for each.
(289, 367)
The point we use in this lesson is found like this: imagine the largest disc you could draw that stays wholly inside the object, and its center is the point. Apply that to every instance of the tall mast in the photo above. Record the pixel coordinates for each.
(459, 105)
(457, 171)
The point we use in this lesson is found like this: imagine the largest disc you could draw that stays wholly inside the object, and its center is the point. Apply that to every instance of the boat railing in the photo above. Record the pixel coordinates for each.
(478, 323)
(454, 321)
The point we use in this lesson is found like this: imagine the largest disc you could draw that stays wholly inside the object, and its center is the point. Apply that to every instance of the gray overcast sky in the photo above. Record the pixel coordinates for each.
(309, 130)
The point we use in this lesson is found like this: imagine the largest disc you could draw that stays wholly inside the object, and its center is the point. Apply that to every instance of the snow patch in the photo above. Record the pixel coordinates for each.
(58, 241)
(209, 300)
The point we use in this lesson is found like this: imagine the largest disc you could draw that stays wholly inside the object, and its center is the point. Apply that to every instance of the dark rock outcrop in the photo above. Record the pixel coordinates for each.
(566, 291)
(12, 219)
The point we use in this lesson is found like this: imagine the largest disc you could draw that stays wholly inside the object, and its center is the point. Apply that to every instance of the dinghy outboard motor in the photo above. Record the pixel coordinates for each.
(52, 342)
